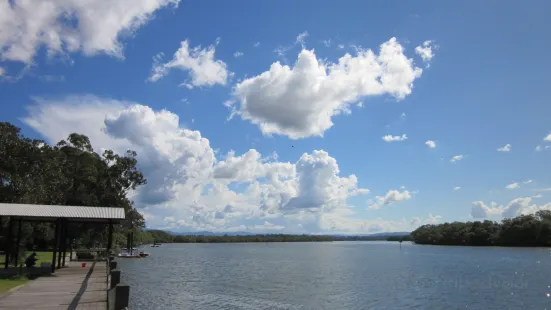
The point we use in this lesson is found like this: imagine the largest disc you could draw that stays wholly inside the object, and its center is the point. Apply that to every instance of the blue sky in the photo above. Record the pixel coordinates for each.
(479, 83)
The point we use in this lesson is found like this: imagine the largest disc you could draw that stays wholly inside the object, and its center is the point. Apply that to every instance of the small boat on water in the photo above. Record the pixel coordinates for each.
(128, 255)
(126, 250)
(140, 254)
(155, 245)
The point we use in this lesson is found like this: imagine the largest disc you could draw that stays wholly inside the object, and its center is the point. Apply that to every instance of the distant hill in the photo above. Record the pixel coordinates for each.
(210, 233)
(388, 234)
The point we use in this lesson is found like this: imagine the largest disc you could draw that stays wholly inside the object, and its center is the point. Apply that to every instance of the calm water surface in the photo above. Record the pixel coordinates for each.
(338, 275)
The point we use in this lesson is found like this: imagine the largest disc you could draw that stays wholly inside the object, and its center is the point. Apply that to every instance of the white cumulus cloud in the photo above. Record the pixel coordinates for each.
(300, 101)
(480, 210)
(519, 206)
(200, 63)
(516, 207)
(65, 26)
(390, 138)
(189, 189)
(238, 54)
(457, 188)
(431, 144)
(505, 148)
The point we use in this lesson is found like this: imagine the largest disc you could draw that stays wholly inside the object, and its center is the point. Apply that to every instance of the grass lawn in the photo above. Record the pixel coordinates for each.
(6, 284)
(43, 257)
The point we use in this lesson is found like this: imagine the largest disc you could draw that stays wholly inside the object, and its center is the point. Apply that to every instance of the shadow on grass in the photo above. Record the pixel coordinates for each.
(14, 273)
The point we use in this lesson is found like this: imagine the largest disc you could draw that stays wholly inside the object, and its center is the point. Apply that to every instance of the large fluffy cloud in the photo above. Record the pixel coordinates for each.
(189, 189)
(171, 155)
(203, 68)
(516, 207)
(62, 26)
(319, 183)
(301, 101)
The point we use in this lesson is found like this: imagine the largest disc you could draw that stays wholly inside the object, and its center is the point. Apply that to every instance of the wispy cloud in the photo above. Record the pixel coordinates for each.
(389, 138)
(505, 148)
(456, 158)
(431, 144)
(301, 38)
(512, 186)
(391, 197)
(545, 140)
(426, 52)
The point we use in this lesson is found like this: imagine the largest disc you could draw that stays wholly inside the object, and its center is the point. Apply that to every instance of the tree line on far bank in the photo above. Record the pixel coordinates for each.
(150, 236)
(524, 230)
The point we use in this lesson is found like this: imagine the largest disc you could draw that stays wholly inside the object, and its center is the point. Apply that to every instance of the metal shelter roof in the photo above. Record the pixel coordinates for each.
(54, 212)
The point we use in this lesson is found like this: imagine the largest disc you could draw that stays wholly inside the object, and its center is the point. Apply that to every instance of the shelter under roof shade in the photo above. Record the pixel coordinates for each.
(48, 213)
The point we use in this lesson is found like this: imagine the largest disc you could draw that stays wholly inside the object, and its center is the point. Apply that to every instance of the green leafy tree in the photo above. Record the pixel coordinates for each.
(69, 173)
(524, 230)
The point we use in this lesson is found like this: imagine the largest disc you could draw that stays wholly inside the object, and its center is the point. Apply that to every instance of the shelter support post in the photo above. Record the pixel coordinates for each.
(109, 239)
(8, 243)
(60, 244)
(56, 241)
(71, 245)
(65, 242)
(17, 244)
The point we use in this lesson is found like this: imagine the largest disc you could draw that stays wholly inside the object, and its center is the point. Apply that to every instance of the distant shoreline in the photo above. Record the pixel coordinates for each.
(163, 237)
(484, 245)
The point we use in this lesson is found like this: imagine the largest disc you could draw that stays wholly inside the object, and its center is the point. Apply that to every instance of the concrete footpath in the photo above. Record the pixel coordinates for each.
(70, 288)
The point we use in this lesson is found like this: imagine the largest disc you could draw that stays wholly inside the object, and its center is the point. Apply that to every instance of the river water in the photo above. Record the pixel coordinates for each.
(338, 275)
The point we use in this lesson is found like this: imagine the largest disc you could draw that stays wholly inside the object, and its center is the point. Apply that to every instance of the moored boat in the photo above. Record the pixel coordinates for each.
(128, 255)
